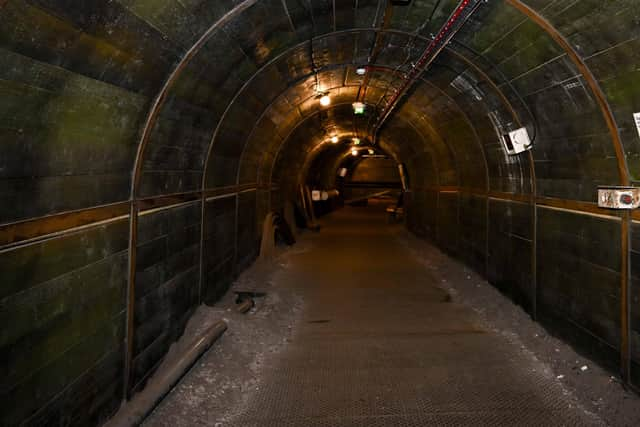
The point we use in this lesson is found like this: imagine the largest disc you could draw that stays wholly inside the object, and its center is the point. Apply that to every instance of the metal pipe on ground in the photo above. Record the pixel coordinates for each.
(134, 412)
(245, 306)
(368, 196)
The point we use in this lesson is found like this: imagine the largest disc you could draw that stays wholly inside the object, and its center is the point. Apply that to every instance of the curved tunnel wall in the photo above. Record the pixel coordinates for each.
(143, 143)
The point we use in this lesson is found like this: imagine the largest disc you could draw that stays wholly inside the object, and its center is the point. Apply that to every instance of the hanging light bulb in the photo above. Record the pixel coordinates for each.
(356, 141)
(371, 151)
(325, 101)
(335, 139)
(354, 152)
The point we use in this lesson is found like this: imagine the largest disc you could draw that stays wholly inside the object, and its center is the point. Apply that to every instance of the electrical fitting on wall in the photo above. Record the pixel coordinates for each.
(517, 141)
(514, 141)
(619, 197)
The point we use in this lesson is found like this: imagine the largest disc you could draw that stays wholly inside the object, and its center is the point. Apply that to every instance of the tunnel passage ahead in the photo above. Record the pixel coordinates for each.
(378, 343)
(144, 142)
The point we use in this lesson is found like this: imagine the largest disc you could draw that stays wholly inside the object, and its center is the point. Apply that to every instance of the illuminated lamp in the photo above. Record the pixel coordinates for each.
(359, 107)
(325, 101)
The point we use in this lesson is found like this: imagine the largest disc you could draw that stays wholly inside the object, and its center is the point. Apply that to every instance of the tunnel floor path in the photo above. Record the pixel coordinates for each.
(378, 343)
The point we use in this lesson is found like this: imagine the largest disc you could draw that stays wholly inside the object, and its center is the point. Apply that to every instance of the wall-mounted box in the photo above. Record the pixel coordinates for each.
(619, 197)
(517, 141)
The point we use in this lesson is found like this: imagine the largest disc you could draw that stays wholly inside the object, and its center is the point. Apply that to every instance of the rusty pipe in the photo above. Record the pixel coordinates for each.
(134, 412)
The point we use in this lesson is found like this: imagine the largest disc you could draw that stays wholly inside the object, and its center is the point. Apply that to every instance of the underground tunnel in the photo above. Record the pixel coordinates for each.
(159, 156)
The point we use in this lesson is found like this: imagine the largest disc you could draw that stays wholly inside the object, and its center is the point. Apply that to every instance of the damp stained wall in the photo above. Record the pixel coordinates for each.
(143, 142)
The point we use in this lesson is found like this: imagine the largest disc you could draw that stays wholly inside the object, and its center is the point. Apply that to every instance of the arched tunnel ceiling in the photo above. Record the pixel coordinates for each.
(145, 141)
(176, 90)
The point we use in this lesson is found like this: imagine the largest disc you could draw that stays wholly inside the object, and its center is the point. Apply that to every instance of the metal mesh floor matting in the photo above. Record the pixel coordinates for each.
(416, 380)
(379, 345)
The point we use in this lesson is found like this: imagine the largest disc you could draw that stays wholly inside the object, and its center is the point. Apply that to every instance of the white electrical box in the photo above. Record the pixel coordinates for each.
(619, 197)
(517, 141)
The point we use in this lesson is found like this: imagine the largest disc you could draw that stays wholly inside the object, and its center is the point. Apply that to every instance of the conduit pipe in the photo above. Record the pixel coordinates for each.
(456, 21)
(245, 306)
(137, 409)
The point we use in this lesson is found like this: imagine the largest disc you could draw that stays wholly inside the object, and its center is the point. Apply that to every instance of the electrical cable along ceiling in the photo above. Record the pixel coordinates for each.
(144, 142)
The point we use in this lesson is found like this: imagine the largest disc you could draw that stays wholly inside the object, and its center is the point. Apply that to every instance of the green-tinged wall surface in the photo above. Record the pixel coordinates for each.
(144, 142)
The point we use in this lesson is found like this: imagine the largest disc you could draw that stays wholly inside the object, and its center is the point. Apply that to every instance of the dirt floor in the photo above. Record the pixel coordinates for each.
(363, 324)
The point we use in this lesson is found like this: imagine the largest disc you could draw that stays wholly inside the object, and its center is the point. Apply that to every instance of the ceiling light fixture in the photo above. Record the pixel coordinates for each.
(361, 71)
(354, 152)
(371, 152)
(356, 141)
(325, 101)
(335, 140)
